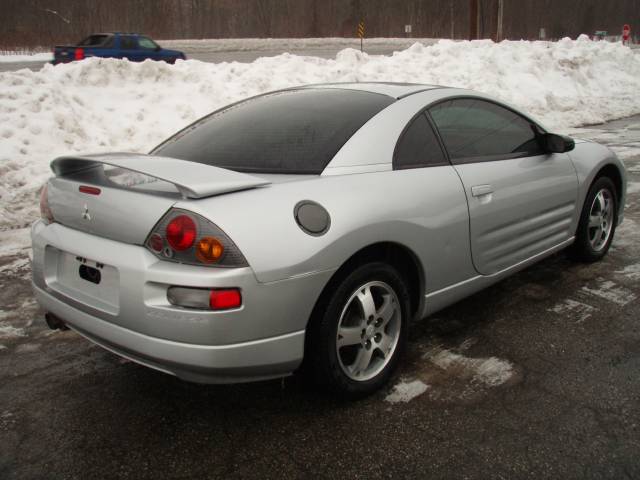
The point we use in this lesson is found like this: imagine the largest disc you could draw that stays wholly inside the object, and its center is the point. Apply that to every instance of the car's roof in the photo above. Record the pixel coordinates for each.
(391, 89)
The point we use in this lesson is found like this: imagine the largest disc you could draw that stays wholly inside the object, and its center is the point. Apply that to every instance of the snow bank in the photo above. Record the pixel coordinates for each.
(9, 57)
(103, 104)
(286, 44)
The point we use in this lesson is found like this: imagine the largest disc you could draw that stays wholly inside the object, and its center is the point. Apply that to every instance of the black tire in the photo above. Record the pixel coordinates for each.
(321, 356)
(582, 249)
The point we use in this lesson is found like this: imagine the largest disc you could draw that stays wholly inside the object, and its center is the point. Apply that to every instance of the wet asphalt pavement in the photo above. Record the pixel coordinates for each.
(567, 406)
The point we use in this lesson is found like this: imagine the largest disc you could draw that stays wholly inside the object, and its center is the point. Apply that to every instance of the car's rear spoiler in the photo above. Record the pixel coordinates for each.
(193, 180)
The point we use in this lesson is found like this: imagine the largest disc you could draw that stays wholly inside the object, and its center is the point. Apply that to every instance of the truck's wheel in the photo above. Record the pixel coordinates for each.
(597, 222)
(357, 337)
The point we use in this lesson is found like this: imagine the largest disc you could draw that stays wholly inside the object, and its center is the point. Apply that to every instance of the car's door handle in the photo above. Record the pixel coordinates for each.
(480, 190)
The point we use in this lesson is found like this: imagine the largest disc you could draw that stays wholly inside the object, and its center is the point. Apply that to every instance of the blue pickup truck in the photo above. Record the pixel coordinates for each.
(132, 46)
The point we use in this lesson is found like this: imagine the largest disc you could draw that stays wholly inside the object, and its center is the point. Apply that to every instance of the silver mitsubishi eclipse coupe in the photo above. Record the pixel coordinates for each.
(304, 229)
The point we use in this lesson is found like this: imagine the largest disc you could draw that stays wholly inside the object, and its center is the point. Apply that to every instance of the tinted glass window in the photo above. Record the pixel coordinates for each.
(418, 146)
(297, 131)
(93, 41)
(110, 42)
(475, 130)
(128, 43)
(146, 42)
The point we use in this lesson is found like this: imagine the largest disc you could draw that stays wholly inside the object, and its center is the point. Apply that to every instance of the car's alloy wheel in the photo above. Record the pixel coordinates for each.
(358, 330)
(598, 220)
(601, 218)
(368, 331)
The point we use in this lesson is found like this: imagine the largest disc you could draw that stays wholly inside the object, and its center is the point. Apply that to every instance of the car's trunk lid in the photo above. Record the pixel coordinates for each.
(129, 193)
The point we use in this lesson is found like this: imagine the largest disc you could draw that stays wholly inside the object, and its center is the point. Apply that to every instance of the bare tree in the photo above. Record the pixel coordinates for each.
(33, 23)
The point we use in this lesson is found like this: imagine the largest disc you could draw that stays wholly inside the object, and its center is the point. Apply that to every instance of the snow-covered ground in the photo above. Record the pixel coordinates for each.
(285, 44)
(11, 57)
(103, 104)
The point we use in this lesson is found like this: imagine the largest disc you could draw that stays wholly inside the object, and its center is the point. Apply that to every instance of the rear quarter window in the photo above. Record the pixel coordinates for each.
(94, 41)
(294, 131)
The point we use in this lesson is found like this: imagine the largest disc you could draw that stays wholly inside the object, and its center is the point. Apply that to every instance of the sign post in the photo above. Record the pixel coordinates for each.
(626, 33)
(361, 32)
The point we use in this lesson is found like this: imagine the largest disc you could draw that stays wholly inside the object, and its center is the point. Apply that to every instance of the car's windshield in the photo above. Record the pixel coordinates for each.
(293, 131)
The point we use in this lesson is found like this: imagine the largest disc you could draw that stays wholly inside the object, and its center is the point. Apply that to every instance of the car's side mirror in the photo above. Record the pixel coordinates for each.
(157, 49)
(557, 143)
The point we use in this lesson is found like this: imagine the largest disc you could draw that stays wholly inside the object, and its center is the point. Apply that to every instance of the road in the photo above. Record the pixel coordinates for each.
(235, 52)
(570, 407)
(215, 53)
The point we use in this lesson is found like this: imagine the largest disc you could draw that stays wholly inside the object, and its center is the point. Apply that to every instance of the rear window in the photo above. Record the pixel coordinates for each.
(94, 40)
(296, 131)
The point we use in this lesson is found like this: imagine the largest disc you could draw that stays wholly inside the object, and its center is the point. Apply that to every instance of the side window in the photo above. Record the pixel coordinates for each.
(146, 42)
(128, 43)
(418, 146)
(110, 42)
(476, 130)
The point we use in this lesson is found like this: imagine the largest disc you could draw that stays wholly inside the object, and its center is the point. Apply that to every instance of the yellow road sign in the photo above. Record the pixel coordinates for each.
(361, 29)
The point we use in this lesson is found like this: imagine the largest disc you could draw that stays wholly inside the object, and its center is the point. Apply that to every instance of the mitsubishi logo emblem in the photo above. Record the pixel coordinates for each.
(85, 214)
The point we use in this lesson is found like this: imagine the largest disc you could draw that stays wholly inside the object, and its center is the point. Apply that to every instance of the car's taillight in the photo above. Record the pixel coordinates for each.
(78, 54)
(185, 237)
(204, 299)
(45, 211)
(225, 299)
(181, 232)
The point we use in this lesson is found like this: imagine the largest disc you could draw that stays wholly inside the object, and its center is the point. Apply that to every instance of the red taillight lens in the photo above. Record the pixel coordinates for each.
(78, 54)
(225, 299)
(185, 237)
(89, 190)
(181, 233)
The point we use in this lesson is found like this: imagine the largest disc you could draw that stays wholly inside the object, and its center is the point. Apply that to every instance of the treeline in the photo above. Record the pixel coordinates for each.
(31, 23)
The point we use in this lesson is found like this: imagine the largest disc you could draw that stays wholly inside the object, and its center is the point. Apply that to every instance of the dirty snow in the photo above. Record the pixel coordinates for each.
(106, 104)
(632, 272)
(633, 188)
(627, 234)
(573, 309)
(12, 242)
(17, 266)
(608, 290)
(9, 57)
(285, 44)
(8, 331)
(406, 391)
(489, 371)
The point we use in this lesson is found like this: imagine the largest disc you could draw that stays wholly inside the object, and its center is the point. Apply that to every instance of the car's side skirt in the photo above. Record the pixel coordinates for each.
(444, 297)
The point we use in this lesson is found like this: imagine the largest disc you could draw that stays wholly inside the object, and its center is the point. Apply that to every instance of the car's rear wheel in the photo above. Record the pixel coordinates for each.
(597, 224)
(358, 334)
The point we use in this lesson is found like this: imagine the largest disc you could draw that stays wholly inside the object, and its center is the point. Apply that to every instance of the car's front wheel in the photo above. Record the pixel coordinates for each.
(358, 334)
(597, 222)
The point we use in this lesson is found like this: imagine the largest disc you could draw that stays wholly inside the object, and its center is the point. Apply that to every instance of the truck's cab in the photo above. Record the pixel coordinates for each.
(130, 46)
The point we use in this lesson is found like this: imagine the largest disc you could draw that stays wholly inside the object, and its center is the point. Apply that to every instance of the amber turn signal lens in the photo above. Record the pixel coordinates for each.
(209, 249)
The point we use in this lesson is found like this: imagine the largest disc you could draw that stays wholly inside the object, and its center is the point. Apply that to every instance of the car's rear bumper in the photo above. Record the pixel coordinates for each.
(131, 315)
(247, 361)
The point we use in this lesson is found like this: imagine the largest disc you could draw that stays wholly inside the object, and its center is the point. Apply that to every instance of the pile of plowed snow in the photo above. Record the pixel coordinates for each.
(102, 104)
